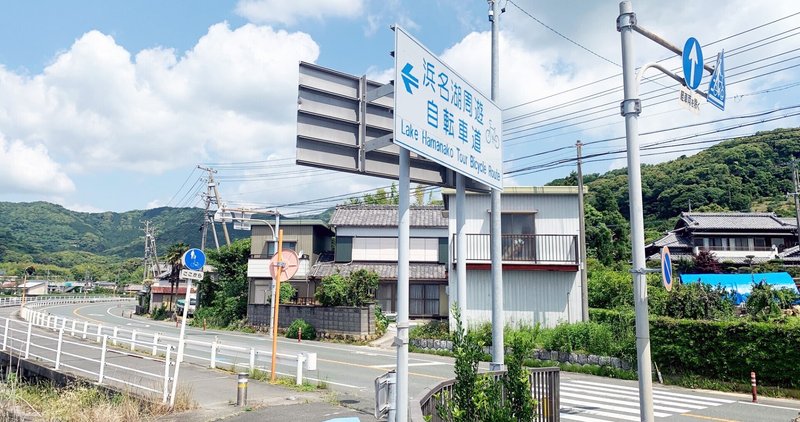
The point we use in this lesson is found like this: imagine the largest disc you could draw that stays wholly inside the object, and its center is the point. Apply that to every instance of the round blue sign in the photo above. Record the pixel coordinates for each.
(666, 268)
(692, 63)
(194, 259)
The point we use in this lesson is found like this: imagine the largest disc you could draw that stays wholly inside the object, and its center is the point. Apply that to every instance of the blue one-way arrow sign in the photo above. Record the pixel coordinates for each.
(409, 80)
(692, 63)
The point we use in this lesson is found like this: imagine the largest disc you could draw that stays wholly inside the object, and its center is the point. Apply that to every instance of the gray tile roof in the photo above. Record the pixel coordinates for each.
(673, 239)
(735, 220)
(385, 270)
(386, 216)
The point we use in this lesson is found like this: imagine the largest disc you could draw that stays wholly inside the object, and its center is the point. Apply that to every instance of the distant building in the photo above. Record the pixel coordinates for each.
(366, 238)
(735, 237)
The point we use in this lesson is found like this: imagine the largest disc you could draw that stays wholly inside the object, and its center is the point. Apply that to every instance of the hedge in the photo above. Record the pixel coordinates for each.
(722, 350)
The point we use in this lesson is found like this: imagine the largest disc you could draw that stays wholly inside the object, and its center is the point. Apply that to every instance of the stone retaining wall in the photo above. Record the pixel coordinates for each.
(563, 357)
(328, 321)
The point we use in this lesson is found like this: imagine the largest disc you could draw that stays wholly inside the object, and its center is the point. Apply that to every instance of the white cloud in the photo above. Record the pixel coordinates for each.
(28, 169)
(289, 13)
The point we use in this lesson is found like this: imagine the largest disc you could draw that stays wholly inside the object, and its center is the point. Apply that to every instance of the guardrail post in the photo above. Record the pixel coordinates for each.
(49, 321)
(73, 327)
(28, 340)
(299, 372)
(102, 359)
(99, 332)
(85, 328)
(213, 353)
(115, 334)
(133, 340)
(155, 344)
(166, 375)
(252, 359)
(5, 335)
(63, 323)
(58, 348)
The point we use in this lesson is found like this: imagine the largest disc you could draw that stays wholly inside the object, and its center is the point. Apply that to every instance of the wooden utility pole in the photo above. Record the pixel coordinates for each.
(582, 235)
(796, 199)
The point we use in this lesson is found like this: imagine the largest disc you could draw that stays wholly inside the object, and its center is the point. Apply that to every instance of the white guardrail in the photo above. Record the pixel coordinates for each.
(152, 375)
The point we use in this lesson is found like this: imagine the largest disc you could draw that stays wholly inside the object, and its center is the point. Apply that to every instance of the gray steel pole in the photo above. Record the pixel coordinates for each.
(404, 229)
(461, 248)
(631, 107)
(498, 321)
(582, 234)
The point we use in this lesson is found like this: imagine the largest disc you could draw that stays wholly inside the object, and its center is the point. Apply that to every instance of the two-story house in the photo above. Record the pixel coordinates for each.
(366, 238)
(735, 237)
(311, 239)
(541, 260)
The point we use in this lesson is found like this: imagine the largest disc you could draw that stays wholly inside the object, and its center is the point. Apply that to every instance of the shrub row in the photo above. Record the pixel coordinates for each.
(724, 350)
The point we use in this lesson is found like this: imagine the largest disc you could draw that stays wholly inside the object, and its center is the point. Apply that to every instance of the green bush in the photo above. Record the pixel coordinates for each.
(309, 333)
(159, 313)
(588, 337)
(287, 292)
(381, 321)
(332, 291)
(435, 329)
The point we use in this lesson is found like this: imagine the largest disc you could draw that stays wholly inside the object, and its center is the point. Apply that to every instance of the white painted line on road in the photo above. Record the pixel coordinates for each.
(628, 395)
(581, 418)
(622, 402)
(609, 406)
(656, 391)
(769, 405)
(392, 365)
(567, 410)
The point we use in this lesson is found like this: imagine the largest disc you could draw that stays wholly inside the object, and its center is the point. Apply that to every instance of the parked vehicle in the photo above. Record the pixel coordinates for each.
(192, 306)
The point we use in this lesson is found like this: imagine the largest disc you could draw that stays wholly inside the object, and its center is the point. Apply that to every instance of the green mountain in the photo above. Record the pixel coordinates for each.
(751, 173)
(42, 229)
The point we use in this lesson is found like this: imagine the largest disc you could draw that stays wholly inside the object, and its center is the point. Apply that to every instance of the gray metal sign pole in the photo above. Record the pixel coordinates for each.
(631, 107)
(461, 248)
(498, 322)
(404, 230)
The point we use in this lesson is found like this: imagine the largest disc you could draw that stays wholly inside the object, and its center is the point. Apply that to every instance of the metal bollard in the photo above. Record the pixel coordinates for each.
(753, 386)
(241, 389)
(299, 333)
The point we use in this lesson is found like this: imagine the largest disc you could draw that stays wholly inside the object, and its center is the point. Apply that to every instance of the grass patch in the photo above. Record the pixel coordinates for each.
(288, 382)
(696, 381)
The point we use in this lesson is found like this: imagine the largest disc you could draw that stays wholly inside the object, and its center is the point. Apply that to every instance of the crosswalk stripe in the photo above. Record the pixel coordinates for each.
(581, 418)
(699, 400)
(609, 407)
(623, 402)
(657, 391)
(626, 395)
(570, 410)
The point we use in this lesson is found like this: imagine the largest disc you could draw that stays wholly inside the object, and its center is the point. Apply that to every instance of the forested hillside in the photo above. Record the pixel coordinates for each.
(745, 174)
(43, 232)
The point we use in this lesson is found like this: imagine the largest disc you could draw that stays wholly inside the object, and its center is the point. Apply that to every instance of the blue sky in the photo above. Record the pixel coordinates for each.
(109, 105)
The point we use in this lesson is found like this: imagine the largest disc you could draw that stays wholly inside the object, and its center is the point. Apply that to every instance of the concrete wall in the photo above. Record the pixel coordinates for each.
(328, 321)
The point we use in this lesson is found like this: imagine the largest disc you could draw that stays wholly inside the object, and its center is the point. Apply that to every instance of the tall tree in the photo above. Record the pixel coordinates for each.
(173, 259)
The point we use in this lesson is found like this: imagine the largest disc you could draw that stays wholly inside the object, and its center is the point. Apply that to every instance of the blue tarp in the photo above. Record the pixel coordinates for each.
(740, 285)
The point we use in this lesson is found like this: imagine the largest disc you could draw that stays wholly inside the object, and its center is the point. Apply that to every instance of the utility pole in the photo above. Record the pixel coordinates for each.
(582, 234)
(213, 186)
(150, 253)
(207, 199)
(796, 199)
(496, 246)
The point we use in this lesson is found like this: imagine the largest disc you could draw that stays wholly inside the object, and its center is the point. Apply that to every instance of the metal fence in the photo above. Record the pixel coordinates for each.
(92, 361)
(529, 248)
(544, 389)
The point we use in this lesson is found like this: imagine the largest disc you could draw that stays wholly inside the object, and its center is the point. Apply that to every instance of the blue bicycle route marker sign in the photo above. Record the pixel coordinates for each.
(194, 259)
(692, 63)
(716, 87)
(666, 268)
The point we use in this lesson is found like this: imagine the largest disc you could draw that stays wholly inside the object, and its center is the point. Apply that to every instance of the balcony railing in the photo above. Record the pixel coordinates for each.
(528, 248)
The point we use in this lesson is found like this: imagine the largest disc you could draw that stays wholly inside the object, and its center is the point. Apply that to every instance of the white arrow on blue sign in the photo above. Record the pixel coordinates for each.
(716, 87)
(194, 259)
(692, 63)
(666, 268)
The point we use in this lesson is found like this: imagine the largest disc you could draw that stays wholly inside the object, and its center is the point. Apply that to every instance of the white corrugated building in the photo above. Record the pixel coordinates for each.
(541, 277)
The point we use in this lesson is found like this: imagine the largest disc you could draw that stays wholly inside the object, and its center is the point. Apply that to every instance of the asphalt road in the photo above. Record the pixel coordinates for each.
(350, 371)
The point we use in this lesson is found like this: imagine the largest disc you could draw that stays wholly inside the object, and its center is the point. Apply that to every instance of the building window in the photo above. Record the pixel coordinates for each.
(386, 297)
(271, 247)
(741, 244)
(519, 242)
(424, 299)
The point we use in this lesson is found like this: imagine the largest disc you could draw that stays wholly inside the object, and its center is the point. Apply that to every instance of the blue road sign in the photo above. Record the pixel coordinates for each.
(194, 259)
(692, 63)
(409, 80)
(716, 87)
(666, 268)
